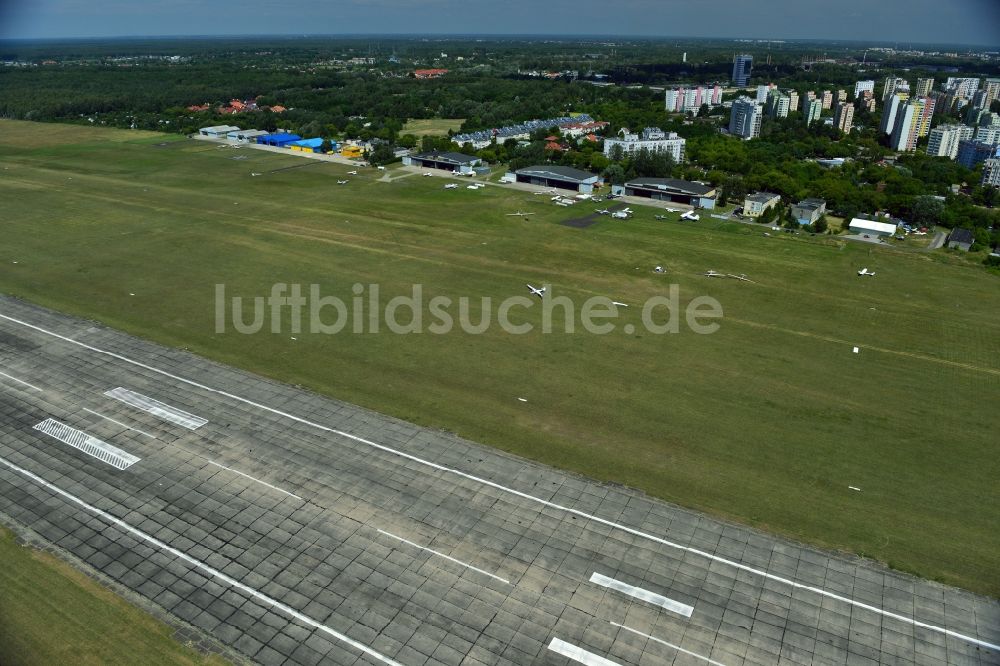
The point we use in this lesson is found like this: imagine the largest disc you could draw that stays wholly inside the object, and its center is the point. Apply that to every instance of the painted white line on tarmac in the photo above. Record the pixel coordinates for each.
(517, 493)
(439, 554)
(670, 645)
(127, 427)
(578, 654)
(288, 610)
(263, 483)
(20, 381)
(641, 594)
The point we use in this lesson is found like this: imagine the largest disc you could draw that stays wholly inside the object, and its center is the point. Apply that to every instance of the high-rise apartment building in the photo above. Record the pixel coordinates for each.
(843, 117)
(944, 139)
(778, 104)
(742, 68)
(827, 99)
(862, 86)
(893, 103)
(746, 118)
(910, 117)
(812, 109)
(924, 87)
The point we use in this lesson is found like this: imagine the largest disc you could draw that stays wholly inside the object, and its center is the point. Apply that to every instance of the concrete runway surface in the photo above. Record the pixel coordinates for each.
(297, 529)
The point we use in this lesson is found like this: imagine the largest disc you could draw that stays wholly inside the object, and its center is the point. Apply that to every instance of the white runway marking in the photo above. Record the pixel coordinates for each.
(450, 559)
(88, 444)
(517, 493)
(578, 654)
(157, 408)
(670, 645)
(644, 595)
(127, 427)
(20, 381)
(263, 483)
(305, 619)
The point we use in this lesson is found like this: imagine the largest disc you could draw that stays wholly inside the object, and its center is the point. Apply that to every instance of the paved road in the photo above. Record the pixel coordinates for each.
(301, 530)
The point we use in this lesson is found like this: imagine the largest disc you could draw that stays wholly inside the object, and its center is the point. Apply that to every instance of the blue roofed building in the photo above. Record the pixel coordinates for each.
(280, 139)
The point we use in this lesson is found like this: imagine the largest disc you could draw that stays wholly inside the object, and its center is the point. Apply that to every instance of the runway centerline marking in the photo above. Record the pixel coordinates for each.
(670, 645)
(578, 654)
(215, 573)
(157, 408)
(517, 493)
(447, 557)
(641, 594)
(86, 443)
(263, 483)
(20, 381)
(127, 427)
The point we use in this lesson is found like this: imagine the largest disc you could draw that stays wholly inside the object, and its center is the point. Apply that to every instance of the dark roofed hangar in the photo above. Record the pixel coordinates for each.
(449, 161)
(671, 189)
(562, 177)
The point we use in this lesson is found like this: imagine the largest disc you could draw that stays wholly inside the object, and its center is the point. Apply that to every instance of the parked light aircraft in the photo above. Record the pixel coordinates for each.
(691, 215)
(537, 291)
(865, 271)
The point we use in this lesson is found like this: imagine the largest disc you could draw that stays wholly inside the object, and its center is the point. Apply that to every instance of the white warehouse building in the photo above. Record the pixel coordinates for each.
(652, 139)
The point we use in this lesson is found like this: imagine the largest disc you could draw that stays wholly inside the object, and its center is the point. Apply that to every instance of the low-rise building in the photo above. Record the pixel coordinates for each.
(218, 131)
(674, 190)
(279, 139)
(652, 139)
(808, 211)
(755, 204)
(860, 225)
(445, 160)
(245, 136)
(961, 239)
(562, 177)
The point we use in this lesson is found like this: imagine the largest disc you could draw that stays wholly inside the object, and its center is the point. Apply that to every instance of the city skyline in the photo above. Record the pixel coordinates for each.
(970, 22)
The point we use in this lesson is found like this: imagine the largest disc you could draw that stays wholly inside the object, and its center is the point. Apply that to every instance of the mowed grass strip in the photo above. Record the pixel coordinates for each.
(431, 126)
(50, 613)
(768, 421)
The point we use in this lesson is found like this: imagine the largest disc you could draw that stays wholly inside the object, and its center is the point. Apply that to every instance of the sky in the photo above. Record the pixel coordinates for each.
(888, 21)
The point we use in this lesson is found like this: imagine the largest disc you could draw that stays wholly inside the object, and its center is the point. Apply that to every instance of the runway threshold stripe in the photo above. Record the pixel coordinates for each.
(578, 654)
(157, 408)
(215, 573)
(20, 381)
(517, 493)
(88, 444)
(669, 645)
(447, 557)
(642, 595)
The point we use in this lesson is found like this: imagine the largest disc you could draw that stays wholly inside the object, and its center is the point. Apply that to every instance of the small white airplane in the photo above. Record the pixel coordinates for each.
(865, 271)
(711, 273)
(342, 182)
(381, 168)
(537, 291)
(741, 276)
(551, 190)
(252, 173)
(352, 173)
(619, 304)
(519, 214)
(603, 211)
(672, 210)
(473, 187)
(691, 215)
(451, 186)
(660, 217)
(622, 214)
(428, 173)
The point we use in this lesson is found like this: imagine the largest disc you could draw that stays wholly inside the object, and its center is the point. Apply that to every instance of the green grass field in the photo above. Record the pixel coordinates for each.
(767, 422)
(43, 599)
(431, 126)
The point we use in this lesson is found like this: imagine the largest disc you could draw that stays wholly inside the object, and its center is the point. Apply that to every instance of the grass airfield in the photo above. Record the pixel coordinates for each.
(767, 422)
